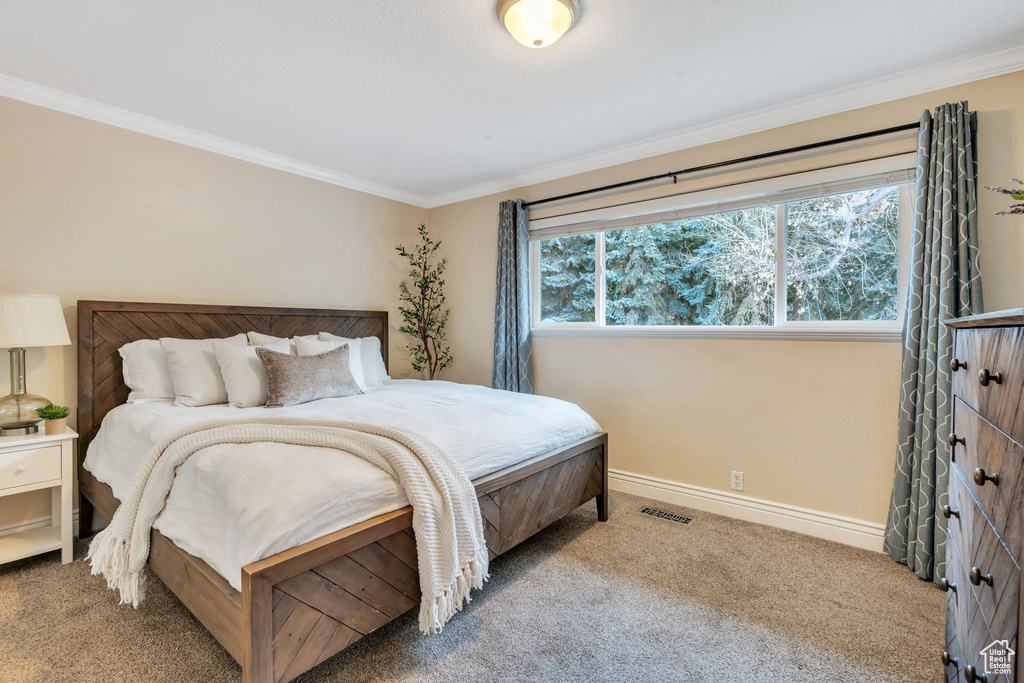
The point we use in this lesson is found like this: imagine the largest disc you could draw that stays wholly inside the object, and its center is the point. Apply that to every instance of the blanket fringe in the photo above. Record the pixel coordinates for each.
(109, 556)
(451, 540)
(436, 611)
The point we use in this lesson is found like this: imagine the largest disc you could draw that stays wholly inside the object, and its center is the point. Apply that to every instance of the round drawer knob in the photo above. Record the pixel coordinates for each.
(948, 659)
(948, 512)
(954, 440)
(955, 365)
(971, 675)
(984, 377)
(977, 578)
(980, 477)
(19, 469)
(946, 586)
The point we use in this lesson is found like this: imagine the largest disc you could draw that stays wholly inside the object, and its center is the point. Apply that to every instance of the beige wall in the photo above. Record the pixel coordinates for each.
(92, 211)
(812, 424)
(89, 211)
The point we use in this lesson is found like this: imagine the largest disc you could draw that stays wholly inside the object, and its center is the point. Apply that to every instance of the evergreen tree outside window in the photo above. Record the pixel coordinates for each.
(711, 270)
(836, 262)
(567, 272)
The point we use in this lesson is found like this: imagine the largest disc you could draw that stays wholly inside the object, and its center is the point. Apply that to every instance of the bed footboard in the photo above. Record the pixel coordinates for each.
(304, 605)
(301, 606)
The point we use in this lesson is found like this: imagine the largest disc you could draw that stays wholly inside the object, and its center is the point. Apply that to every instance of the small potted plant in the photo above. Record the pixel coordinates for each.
(56, 418)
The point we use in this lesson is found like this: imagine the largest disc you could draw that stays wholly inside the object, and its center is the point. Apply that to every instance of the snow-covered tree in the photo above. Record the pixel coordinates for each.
(720, 269)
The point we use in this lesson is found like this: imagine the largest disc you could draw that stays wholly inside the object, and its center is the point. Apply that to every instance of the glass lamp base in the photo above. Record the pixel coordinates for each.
(19, 431)
(18, 414)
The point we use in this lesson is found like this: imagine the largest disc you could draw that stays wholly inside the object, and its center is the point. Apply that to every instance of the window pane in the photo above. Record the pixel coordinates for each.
(841, 256)
(712, 270)
(567, 279)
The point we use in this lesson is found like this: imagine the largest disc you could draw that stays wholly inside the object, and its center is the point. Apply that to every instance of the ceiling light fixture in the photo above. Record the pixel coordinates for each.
(537, 23)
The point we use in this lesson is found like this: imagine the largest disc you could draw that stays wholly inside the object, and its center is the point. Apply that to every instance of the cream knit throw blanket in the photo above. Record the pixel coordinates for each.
(450, 546)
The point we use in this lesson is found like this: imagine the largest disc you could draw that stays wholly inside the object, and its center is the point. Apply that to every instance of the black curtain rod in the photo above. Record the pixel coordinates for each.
(730, 162)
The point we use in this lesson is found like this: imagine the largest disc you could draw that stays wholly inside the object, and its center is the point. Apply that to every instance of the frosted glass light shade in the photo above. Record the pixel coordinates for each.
(537, 23)
(28, 320)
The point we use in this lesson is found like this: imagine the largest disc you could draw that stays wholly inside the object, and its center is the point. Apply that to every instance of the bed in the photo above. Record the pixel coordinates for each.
(295, 608)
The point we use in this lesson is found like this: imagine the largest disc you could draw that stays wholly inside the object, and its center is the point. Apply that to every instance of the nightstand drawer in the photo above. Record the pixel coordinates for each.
(21, 468)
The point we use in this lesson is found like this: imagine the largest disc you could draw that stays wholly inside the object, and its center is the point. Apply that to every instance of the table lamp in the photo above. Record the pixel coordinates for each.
(27, 320)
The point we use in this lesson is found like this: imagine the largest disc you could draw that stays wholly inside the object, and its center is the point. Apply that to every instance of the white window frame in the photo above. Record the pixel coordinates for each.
(756, 193)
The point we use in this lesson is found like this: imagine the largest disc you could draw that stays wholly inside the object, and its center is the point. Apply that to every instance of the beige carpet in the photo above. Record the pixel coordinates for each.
(634, 599)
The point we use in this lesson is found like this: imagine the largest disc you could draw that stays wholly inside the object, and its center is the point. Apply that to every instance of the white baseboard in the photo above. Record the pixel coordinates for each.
(846, 530)
(37, 523)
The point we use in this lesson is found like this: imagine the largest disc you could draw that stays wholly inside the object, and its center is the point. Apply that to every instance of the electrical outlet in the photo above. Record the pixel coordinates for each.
(737, 481)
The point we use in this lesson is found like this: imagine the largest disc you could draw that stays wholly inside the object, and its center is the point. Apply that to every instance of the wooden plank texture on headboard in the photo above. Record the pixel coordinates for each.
(105, 326)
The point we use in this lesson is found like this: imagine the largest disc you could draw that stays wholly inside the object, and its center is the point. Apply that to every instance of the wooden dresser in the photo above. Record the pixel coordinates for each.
(985, 513)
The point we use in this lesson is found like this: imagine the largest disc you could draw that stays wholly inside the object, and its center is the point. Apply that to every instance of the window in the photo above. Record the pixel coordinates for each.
(568, 279)
(842, 256)
(818, 261)
(711, 270)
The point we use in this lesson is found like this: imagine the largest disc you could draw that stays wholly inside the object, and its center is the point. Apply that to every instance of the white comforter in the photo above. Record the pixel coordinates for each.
(234, 504)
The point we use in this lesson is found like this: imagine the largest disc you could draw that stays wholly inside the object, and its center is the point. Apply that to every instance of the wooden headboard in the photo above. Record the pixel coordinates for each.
(105, 326)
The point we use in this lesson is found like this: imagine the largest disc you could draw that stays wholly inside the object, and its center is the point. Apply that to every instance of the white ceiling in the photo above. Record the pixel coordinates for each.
(430, 100)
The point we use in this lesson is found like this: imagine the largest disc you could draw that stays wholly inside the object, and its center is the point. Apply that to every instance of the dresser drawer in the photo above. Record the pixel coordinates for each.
(21, 468)
(998, 587)
(985, 454)
(956, 613)
(966, 629)
(953, 649)
(997, 351)
(951, 671)
(966, 520)
(974, 655)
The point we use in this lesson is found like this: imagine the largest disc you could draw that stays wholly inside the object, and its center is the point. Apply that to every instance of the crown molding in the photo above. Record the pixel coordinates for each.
(860, 95)
(864, 94)
(57, 100)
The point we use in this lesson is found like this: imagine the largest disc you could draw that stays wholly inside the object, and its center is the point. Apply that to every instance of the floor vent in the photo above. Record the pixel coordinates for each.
(670, 516)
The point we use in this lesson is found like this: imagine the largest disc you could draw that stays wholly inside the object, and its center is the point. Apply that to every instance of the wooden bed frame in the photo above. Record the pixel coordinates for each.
(301, 606)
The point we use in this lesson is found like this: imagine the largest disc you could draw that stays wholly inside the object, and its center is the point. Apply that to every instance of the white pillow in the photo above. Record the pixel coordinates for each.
(369, 351)
(243, 373)
(194, 370)
(145, 371)
(314, 347)
(260, 339)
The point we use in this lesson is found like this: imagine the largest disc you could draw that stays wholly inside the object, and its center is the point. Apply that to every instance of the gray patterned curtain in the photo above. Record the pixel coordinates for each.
(513, 353)
(945, 282)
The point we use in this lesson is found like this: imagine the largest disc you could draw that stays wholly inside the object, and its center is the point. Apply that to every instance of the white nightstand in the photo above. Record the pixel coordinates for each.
(35, 462)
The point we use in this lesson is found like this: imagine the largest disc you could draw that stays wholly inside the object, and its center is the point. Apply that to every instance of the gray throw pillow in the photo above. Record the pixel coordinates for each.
(299, 379)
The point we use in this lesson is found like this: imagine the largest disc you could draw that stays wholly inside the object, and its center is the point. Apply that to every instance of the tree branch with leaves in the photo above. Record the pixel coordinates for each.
(1016, 193)
(424, 315)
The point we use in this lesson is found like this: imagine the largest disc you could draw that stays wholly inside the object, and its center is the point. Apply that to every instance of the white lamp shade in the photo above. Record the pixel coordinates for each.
(32, 320)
